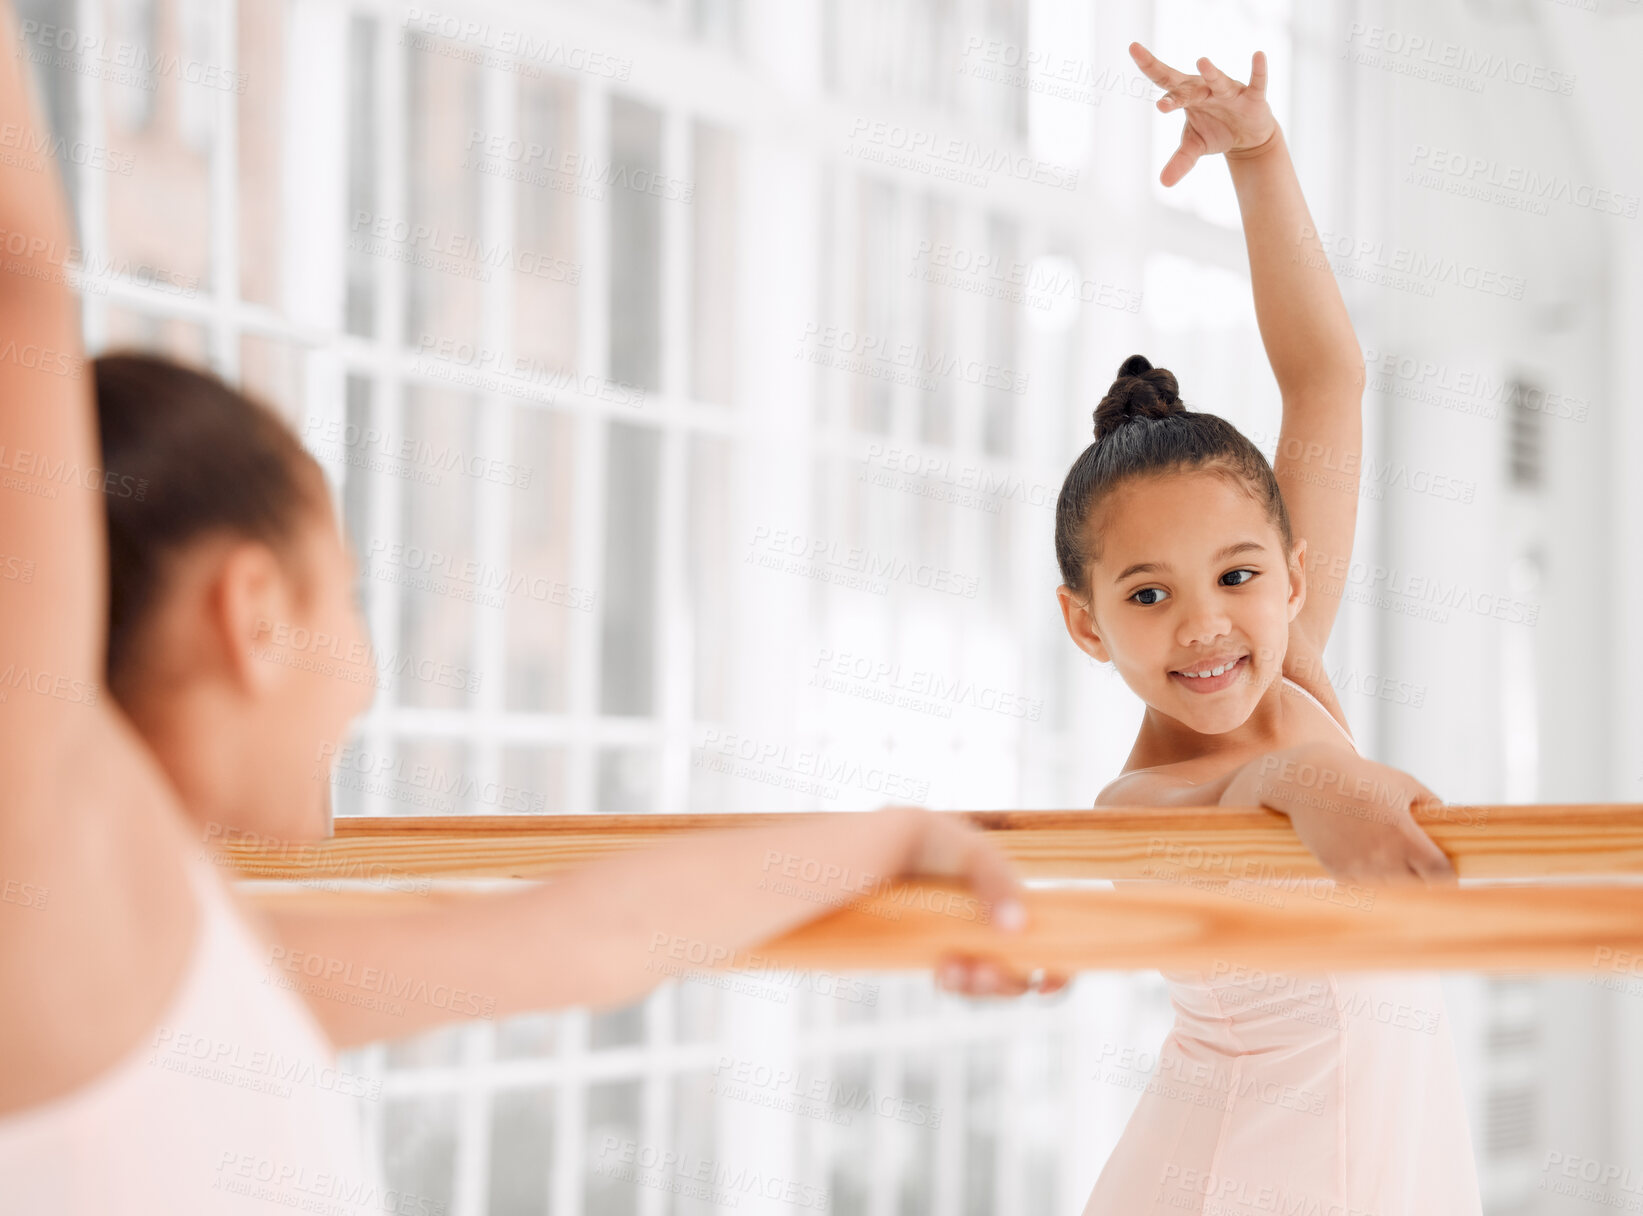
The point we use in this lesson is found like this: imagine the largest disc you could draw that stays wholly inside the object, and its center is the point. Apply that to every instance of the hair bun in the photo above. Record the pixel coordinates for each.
(1141, 391)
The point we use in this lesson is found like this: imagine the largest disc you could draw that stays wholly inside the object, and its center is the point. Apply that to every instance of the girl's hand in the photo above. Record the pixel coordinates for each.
(939, 846)
(1355, 815)
(1222, 114)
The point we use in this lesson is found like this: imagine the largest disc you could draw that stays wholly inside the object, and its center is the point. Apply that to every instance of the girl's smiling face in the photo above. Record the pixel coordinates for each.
(1191, 577)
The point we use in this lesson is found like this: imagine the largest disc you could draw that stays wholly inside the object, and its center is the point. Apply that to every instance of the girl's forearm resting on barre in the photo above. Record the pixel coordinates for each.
(606, 932)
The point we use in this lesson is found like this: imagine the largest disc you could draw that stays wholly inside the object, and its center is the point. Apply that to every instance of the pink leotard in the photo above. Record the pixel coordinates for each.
(232, 1103)
(1334, 1093)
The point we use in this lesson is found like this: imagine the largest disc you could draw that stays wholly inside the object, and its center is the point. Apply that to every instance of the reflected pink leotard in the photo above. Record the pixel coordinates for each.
(1331, 1093)
(232, 1103)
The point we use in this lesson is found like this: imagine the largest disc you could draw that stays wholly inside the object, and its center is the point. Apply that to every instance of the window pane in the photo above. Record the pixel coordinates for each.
(522, 1141)
(419, 1150)
(612, 1187)
(433, 567)
(713, 261)
(546, 199)
(635, 246)
(627, 781)
(159, 214)
(535, 779)
(260, 36)
(711, 574)
(439, 240)
(538, 625)
(627, 659)
(359, 308)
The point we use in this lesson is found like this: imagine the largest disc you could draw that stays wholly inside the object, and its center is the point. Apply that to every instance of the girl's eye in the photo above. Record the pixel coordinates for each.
(1148, 591)
(1240, 582)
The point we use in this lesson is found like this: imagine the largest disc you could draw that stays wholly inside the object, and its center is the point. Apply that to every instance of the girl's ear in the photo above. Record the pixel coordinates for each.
(1081, 626)
(251, 612)
(1297, 578)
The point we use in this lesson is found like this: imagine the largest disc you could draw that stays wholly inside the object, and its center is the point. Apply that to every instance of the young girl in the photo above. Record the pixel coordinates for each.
(146, 1014)
(1185, 567)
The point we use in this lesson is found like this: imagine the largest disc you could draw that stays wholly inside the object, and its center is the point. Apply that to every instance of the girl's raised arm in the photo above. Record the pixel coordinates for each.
(51, 523)
(1304, 324)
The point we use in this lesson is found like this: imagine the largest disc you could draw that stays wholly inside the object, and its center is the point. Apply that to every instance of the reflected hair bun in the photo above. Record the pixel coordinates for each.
(1140, 391)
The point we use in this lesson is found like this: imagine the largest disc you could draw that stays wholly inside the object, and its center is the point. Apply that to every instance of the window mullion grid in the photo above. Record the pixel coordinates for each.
(587, 570)
(387, 397)
(224, 186)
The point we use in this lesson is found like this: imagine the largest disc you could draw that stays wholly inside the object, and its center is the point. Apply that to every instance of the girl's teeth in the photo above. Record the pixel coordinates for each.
(1202, 675)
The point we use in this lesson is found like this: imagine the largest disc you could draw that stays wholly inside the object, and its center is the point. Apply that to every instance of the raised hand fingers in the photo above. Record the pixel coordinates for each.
(1257, 72)
(1186, 156)
(1155, 69)
(1214, 76)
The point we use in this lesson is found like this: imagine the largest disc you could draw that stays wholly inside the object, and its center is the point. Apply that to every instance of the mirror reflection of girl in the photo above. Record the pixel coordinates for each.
(1185, 567)
(152, 1057)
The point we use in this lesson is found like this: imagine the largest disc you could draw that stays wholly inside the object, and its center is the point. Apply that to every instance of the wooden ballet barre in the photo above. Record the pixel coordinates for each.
(1296, 928)
(1166, 927)
(1483, 842)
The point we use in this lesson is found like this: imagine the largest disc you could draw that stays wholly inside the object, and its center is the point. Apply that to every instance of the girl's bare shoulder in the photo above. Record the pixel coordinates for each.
(1187, 783)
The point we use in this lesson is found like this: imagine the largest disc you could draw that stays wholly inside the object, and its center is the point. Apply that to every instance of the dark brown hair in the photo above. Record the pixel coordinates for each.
(1143, 429)
(205, 460)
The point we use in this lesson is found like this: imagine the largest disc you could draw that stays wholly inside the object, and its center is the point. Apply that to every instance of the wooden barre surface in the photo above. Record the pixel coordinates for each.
(1166, 926)
(1483, 842)
(1596, 929)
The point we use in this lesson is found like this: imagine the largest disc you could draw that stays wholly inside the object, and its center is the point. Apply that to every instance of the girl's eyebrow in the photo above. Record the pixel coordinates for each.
(1243, 546)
